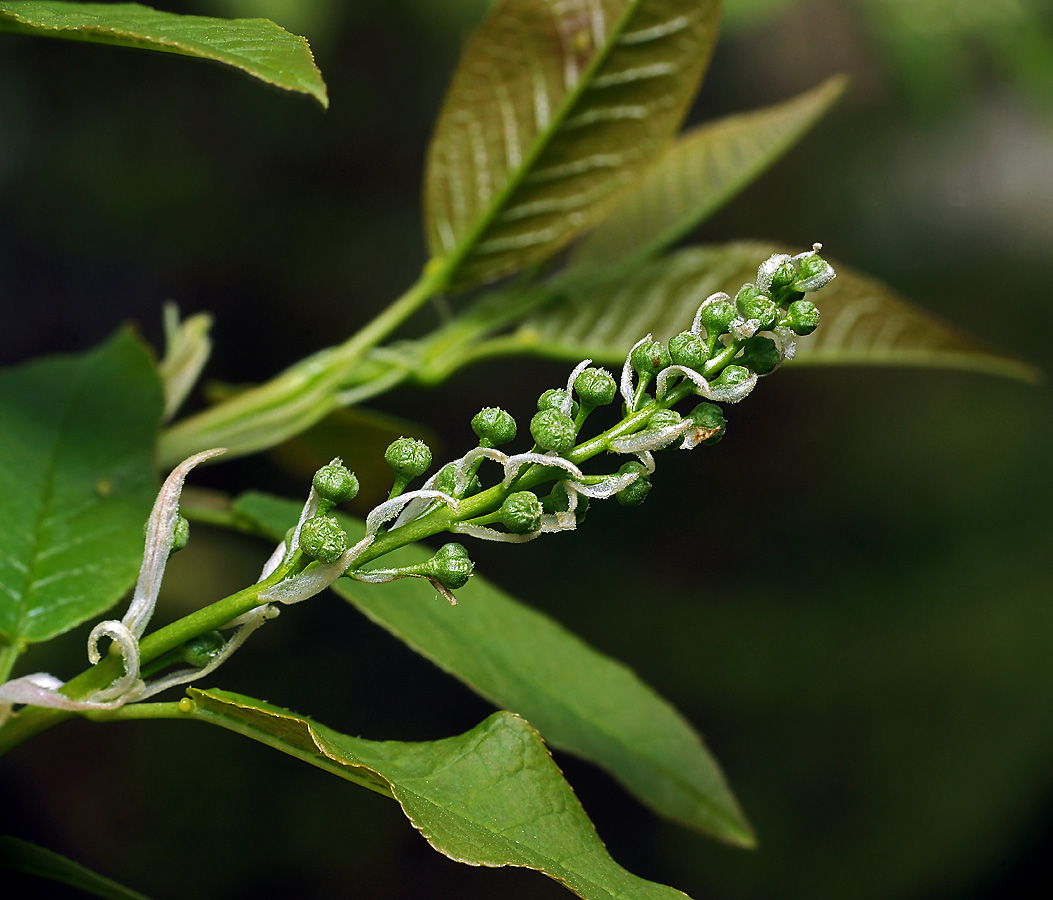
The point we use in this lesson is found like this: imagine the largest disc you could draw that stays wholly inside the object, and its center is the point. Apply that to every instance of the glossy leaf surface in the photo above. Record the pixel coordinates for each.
(579, 699)
(489, 797)
(864, 322)
(554, 107)
(22, 856)
(256, 46)
(697, 174)
(76, 484)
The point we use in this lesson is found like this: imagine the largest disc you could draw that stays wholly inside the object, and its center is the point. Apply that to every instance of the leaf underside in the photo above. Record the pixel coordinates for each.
(489, 797)
(696, 175)
(256, 46)
(554, 107)
(863, 322)
(579, 699)
(76, 484)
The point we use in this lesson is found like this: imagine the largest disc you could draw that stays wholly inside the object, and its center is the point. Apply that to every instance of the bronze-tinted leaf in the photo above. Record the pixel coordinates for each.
(555, 106)
(698, 174)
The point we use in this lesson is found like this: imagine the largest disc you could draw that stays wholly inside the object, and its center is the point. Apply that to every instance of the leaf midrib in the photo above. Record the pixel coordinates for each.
(482, 223)
(50, 478)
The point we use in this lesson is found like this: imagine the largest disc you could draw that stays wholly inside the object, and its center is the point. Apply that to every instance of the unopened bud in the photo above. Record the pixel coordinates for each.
(649, 358)
(552, 430)
(637, 492)
(323, 539)
(335, 483)
(595, 387)
(494, 427)
(521, 512)
(687, 350)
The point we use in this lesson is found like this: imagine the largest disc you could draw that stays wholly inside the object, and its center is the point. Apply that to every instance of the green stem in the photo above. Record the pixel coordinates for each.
(9, 654)
(34, 719)
(297, 398)
(175, 710)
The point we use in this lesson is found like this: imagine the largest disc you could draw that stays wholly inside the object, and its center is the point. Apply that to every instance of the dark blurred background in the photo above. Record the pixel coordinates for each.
(872, 664)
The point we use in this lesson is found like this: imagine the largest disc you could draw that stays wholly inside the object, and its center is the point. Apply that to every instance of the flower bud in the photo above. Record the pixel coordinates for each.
(180, 535)
(649, 358)
(335, 483)
(201, 650)
(637, 492)
(813, 272)
(732, 375)
(663, 418)
(802, 317)
(446, 481)
(408, 457)
(752, 304)
(760, 355)
(716, 316)
(494, 427)
(557, 501)
(685, 349)
(784, 274)
(552, 430)
(708, 416)
(521, 512)
(450, 566)
(553, 399)
(595, 387)
(323, 539)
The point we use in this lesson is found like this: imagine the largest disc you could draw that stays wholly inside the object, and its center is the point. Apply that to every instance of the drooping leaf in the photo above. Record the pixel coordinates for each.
(579, 699)
(256, 46)
(698, 174)
(77, 436)
(22, 856)
(555, 106)
(489, 797)
(863, 322)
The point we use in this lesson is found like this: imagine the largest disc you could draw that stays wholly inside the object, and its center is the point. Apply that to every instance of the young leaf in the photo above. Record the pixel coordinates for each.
(555, 106)
(76, 484)
(864, 323)
(489, 797)
(579, 699)
(698, 174)
(256, 46)
(22, 856)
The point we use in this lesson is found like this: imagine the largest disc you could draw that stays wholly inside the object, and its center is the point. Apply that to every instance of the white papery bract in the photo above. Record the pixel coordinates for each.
(696, 324)
(626, 385)
(568, 402)
(768, 268)
(515, 464)
(45, 689)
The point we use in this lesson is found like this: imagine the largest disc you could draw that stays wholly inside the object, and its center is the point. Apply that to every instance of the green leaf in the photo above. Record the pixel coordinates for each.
(697, 175)
(76, 484)
(864, 323)
(256, 46)
(579, 699)
(554, 107)
(489, 797)
(22, 856)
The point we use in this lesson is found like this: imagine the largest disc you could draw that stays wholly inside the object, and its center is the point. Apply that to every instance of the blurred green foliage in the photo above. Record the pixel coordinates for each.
(874, 673)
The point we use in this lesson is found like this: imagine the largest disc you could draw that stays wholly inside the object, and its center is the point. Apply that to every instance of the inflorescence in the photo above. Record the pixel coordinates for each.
(730, 344)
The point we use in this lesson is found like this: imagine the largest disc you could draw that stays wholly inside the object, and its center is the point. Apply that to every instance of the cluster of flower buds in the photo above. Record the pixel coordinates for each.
(730, 344)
